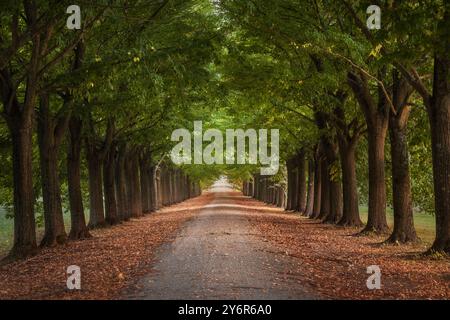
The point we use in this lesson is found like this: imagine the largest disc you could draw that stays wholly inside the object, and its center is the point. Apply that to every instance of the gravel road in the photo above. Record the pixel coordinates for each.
(216, 255)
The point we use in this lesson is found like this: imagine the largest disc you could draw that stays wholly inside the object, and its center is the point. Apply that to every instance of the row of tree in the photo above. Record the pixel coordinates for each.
(334, 81)
(87, 117)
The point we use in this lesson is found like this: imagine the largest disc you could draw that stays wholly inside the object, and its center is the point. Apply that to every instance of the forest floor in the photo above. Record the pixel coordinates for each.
(225, 245)
(334, 260)
(108, 261)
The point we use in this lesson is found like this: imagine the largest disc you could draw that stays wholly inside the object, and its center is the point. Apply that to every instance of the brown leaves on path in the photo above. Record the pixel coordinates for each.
(333, 261)
(108, 261)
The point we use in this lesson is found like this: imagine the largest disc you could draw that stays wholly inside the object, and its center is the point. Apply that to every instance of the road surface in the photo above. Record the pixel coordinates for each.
(216, 255)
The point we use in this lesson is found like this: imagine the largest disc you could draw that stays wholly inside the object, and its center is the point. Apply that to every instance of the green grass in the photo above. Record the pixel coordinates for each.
(7, 230)
(424, 223)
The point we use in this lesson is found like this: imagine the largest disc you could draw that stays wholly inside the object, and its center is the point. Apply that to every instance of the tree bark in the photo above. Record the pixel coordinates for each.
(121, 184)
(111, 216)
(377, 188)
(291, 177)
(332, 192)
(317, 185)
(310, 197)
(404, 230)
(152, 188)
(325, 190)
(335, 201)
(350, 217)
(22, 156)
(78, 228)
(376, 116)
(136, 196)
(55, 232)
(401, 187)
(301, 182)
(145, 192)
(96, 210)
(157, 188)
(439, 115)
(256, 185)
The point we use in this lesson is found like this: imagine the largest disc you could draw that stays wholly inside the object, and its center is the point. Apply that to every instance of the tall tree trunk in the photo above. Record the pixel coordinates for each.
(96, 210)
(121, 184)
(55, 232)
(152, 188)
(162, 184)
(401, 187)
(301, 182)
(310, 197)
(129, 184)
(325, 190)
(403, 231)
(376, 116)
(317, 185)
(78, 228)
(156, 189)
(377, 187)
(256, 185)
(111, 216)
(336, 202)
(175, 186)
(168, 184)
(331, 150)
(291, 177)
(294, 194)
(439, 115)
(145, 192)
(22, 158)
(350, 217)
(136, 196)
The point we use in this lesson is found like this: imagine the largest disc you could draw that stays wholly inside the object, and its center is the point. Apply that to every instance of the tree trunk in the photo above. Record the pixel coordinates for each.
(96, 210)
(310, 198)
(256, 185)
(376, 116)
(152, 188)
(111, 216)
(376, 222)
(350, 216)
(78, 228)
(401, 187)
(55, 232)
(335, 191)
(157, 183)
(22, 157)
(136, 196)
(145, 192)
(129, 184)
(317, 186)
(290, 185)
(439, 115)
(301, 182)
(121, 185)
(401, 182)
(155, 189)
(162, 182)
(325, 190)
(175, 186)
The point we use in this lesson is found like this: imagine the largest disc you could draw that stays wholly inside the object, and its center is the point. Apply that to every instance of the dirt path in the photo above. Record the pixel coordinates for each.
(217, 255)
